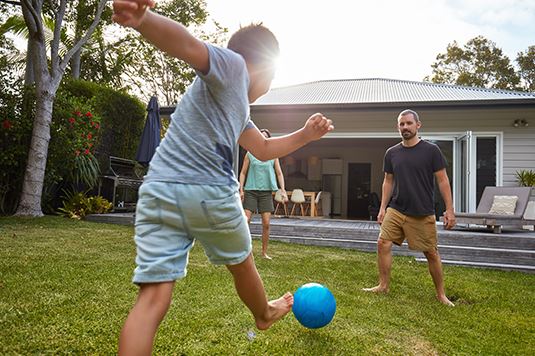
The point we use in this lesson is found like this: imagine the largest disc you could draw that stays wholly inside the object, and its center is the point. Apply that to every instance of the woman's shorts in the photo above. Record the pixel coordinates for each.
(420, 231)
(171, 216)
(260, 201)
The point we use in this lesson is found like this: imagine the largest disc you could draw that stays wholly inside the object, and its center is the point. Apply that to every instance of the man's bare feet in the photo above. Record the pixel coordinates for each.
(444, 300)
(377, 289)
(276, 309)
(266, 256)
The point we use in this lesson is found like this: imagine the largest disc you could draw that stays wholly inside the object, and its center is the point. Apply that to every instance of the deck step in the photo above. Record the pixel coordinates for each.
(512, 267)
(508, 250)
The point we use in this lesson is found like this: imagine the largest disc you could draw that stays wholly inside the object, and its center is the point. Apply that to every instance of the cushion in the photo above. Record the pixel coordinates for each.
(503, 205)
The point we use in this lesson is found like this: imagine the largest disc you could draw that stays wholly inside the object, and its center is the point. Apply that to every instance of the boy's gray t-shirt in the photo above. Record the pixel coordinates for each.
(202, 140)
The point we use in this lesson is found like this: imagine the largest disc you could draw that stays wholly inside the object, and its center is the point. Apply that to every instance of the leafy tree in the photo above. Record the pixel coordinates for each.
(124, 59)
(480, 63)
(80, 19)
(526, 64)
(8, 71)
(48, 75)
(137, 65)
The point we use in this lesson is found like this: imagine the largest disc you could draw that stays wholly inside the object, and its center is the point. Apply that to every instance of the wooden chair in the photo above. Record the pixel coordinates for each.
(298, 198)
(281, 202)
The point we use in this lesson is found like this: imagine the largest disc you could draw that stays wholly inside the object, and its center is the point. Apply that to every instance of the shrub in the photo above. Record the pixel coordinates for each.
(120, 119)
(123, 118)
(526, 178)
(16, 120)
(77, 205)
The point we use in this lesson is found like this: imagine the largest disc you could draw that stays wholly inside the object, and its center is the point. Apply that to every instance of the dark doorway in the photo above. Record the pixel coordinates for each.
(358, 190)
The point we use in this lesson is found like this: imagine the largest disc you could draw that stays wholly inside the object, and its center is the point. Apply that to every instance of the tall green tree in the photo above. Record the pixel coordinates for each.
(48, 75)
(133, 63)
(120, 58)
(78, 45)
(526, 64)
(479, 63)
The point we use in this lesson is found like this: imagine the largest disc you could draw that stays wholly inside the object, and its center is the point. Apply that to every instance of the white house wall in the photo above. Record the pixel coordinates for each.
(518, 143)
(518, 148)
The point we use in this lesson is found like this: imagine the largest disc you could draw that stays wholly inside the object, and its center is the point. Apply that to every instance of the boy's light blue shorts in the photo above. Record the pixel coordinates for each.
(171, 216)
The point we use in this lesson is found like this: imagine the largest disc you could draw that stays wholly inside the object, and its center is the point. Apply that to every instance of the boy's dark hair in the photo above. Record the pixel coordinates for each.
(255, 43)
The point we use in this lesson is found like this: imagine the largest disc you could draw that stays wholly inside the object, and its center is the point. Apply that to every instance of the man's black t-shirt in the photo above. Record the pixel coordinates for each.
(414, 181)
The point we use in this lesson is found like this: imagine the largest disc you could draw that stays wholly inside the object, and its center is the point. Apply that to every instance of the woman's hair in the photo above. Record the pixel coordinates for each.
(255, 43)
(266, 131)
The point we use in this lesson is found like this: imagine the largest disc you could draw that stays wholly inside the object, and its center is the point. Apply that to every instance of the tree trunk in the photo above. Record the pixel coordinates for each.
(32, 188)
(29, 74)
(47, 81)
(75, 64)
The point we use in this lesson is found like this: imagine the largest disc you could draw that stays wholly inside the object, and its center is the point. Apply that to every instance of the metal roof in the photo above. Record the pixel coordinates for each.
(377, 90)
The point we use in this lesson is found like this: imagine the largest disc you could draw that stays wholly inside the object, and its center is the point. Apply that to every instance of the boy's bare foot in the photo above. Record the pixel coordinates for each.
(266, 256)
(444, 300)
(376, 289)
(276, 309)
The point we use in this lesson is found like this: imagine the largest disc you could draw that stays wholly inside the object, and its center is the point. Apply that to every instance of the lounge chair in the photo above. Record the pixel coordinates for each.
(518, 218)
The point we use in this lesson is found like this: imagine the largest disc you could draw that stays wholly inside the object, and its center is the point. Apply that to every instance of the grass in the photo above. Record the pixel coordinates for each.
(65, 289)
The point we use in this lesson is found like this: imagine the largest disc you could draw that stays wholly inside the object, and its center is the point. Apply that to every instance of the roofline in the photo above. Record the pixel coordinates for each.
(473, 104)
(446, 85)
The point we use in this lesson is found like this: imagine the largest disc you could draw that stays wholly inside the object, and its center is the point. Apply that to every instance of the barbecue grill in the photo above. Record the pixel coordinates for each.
(120, 183)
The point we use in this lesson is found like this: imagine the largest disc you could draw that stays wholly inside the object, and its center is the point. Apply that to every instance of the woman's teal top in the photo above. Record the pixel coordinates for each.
(261, 175)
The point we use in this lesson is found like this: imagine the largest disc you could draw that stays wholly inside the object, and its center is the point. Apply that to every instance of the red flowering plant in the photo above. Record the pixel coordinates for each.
(84, 128)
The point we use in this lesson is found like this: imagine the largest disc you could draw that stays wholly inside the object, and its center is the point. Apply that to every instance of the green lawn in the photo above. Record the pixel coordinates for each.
(65, 289)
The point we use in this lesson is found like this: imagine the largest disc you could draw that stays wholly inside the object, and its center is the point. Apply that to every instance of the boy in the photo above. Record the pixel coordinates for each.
(190, 191)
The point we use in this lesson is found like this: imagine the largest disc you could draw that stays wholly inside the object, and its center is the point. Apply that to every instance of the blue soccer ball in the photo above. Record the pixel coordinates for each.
(314, 305)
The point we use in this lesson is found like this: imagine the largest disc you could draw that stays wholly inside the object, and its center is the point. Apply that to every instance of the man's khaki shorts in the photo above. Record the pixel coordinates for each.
(420, 231)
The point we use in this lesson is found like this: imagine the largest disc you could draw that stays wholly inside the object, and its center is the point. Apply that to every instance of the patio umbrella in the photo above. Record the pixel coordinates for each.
(151, 133)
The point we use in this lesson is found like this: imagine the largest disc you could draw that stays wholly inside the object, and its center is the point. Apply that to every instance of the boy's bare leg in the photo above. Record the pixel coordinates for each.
(265, 234)
(435, 269)
(384, 263)
(137, 335)
(251, 291)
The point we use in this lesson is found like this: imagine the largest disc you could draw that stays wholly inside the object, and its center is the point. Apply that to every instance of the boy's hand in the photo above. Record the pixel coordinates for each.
(130, 13)
(317, 125)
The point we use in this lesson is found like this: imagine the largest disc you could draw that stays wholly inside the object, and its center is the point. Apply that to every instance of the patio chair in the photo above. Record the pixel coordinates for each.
(500, 206)
(298, 198)
(281, 202)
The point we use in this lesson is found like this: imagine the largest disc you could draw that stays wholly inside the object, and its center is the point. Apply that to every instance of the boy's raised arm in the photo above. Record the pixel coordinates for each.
(264, 149)
(164, 33)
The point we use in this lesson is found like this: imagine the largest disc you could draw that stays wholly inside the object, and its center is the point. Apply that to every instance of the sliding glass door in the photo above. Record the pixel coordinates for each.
(477, 165)
(465, 173)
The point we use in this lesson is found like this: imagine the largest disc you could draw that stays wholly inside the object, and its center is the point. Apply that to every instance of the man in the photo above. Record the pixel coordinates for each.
(410, 168)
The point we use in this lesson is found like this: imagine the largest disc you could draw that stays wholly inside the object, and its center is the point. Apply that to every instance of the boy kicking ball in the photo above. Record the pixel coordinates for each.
(190, 191)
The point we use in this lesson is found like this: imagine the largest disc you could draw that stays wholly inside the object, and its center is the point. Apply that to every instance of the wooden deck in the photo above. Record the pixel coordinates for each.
(513, 249)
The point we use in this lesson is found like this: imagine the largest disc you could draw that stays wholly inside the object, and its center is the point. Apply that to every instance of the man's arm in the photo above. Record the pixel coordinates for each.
(164, 33)
(269, 148)
(445, 190)
(386, 194)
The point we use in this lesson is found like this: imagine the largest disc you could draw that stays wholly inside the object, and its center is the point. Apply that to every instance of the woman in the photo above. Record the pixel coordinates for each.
(256, 193)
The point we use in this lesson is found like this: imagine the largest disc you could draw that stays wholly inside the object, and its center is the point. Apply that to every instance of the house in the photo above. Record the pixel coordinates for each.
(486, 135)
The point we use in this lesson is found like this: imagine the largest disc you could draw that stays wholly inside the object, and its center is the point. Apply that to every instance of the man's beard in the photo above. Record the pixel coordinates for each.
(407, 135)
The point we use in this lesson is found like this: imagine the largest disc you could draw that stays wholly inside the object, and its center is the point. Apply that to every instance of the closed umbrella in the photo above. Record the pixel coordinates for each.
(151, 133)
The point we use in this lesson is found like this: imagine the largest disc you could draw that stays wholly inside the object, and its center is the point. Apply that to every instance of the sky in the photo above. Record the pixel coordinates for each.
(350, 39)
